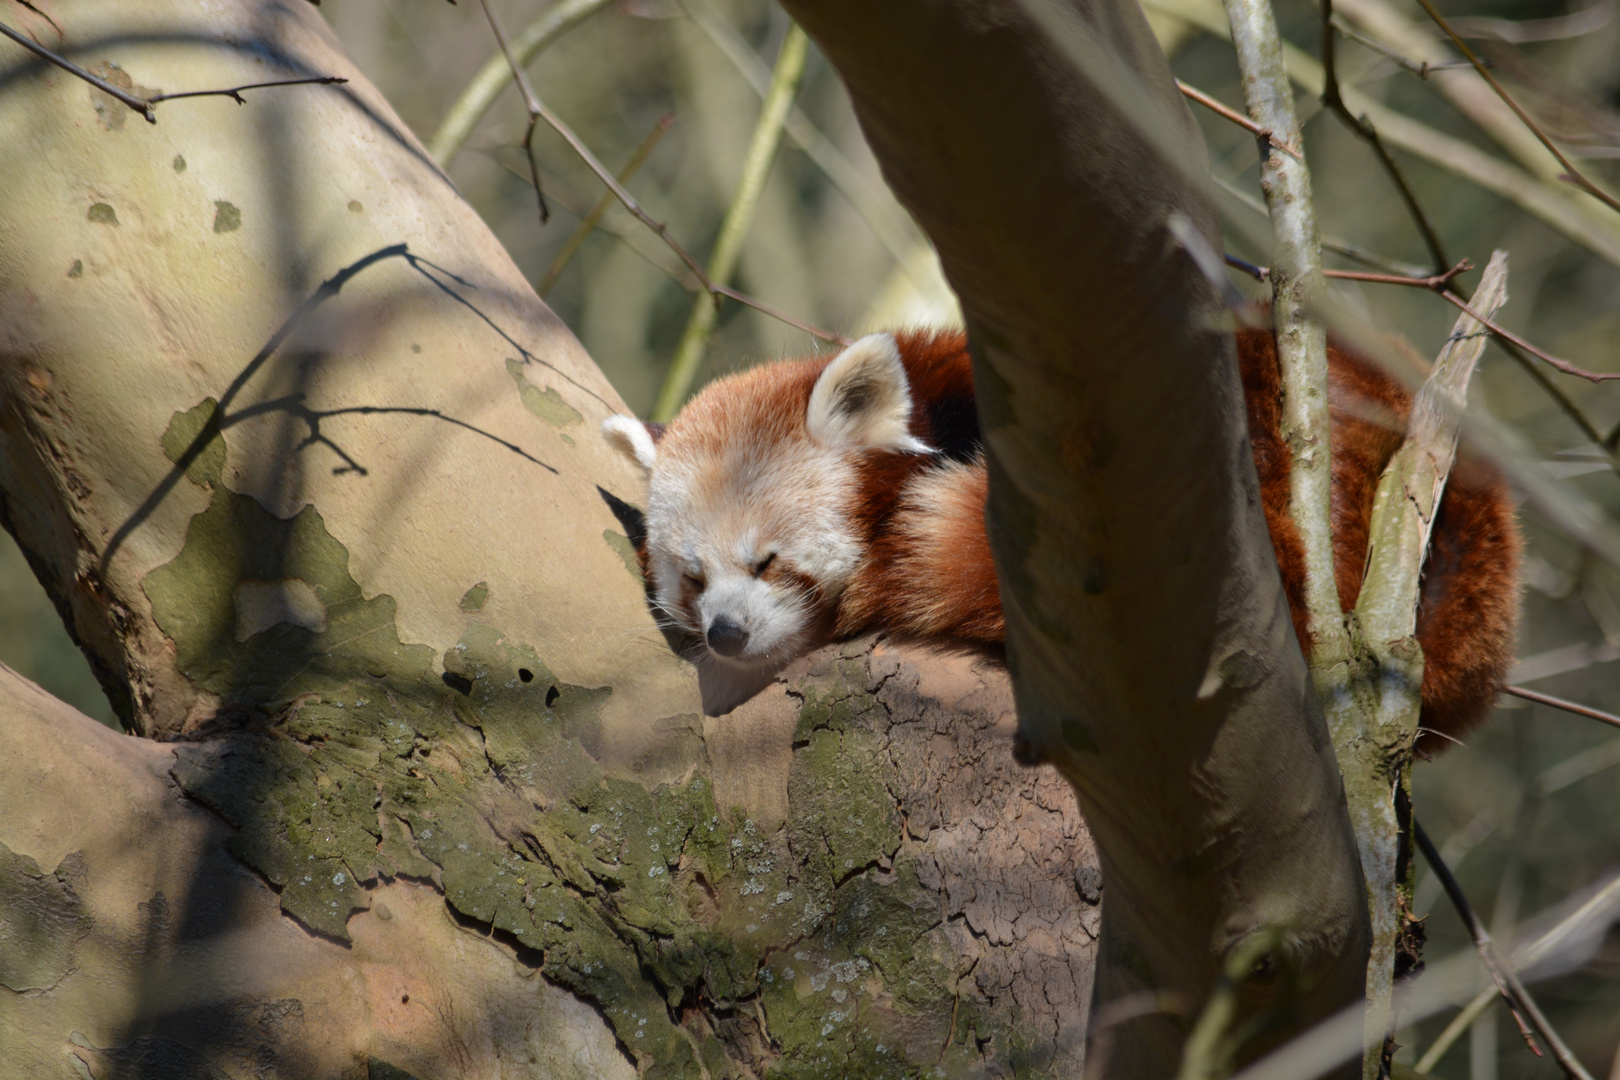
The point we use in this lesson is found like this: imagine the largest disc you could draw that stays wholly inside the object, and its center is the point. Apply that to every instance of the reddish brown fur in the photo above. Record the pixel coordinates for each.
(928, 575)
(946, 592)
(938, 585)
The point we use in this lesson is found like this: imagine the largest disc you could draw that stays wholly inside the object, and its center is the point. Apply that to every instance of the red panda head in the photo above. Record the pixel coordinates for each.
(751, 534)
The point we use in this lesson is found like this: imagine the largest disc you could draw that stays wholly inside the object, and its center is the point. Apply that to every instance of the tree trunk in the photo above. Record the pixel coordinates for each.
(314, 479)
(1045, 150)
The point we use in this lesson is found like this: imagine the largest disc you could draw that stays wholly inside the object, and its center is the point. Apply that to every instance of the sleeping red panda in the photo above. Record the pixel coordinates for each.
(808, 501)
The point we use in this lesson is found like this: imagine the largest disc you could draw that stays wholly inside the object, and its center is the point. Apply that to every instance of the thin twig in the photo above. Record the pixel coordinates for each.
(1434, 282)
(1520, 31)
(1568, 706)
(145, 106)
(762, 148)
(1575, 922)
(1507, 335)
(588, 224)
(140, 105)
(1237, 118)
(1335, 244)
(1571, 173)
(1561, 399)
(531, 102)
(1421, 68)
(625, 198)
(841, 340)
(690, 281)
(1363, 127)
(1587, 225)
(1519, 1002)
(235, 92)
(1440, 284)
(484, 87)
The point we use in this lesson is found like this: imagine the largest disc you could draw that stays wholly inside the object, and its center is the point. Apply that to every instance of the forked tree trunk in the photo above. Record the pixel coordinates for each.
(1045, 149)
(314, 479)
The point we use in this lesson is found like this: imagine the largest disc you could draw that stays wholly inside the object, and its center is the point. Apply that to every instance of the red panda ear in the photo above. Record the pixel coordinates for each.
(633, 438)
(862, 398)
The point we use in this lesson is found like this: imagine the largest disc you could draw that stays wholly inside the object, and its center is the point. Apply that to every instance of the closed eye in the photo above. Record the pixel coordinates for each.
(695, 581)
(764, 564)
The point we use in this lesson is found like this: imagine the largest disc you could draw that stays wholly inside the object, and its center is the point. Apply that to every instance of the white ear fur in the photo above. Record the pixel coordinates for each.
(632, 438)
(862, 397)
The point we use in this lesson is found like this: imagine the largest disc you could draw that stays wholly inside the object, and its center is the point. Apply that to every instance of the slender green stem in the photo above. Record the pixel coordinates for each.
(871, 200)
(1217, 1037)
(734, 229)
(1296, 277)
(480, 93)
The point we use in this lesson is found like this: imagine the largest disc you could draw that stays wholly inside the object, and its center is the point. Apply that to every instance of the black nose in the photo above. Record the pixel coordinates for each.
(726, 637)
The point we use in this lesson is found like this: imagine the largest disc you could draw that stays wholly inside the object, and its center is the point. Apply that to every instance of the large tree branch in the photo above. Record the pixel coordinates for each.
(1148, 634)
(313, 476)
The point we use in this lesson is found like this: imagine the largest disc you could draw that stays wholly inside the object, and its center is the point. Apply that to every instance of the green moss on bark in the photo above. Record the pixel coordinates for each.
(351, 756)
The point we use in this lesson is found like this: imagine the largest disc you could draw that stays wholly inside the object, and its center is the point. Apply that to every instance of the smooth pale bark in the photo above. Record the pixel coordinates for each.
(1149, 637)
(315, 479)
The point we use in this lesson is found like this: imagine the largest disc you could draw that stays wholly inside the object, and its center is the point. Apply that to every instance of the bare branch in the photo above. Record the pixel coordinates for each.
(1409, 492)
(235, 92)
(1560, 703)
(1301, 340)
(588, 224)
(1434, 282)
(1518, 999)
(1421, 68)
(1375, 740)
(530, 102)
(1576, 922)
(484, 87)
(146, 106)
(1556, 204)
(140, 105)
(1363, 128)
(691, 282)
(1446, 984)
(763, 308)
(1507, 335)
(1572, 174)
(1440, 283)
(1263, 134)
